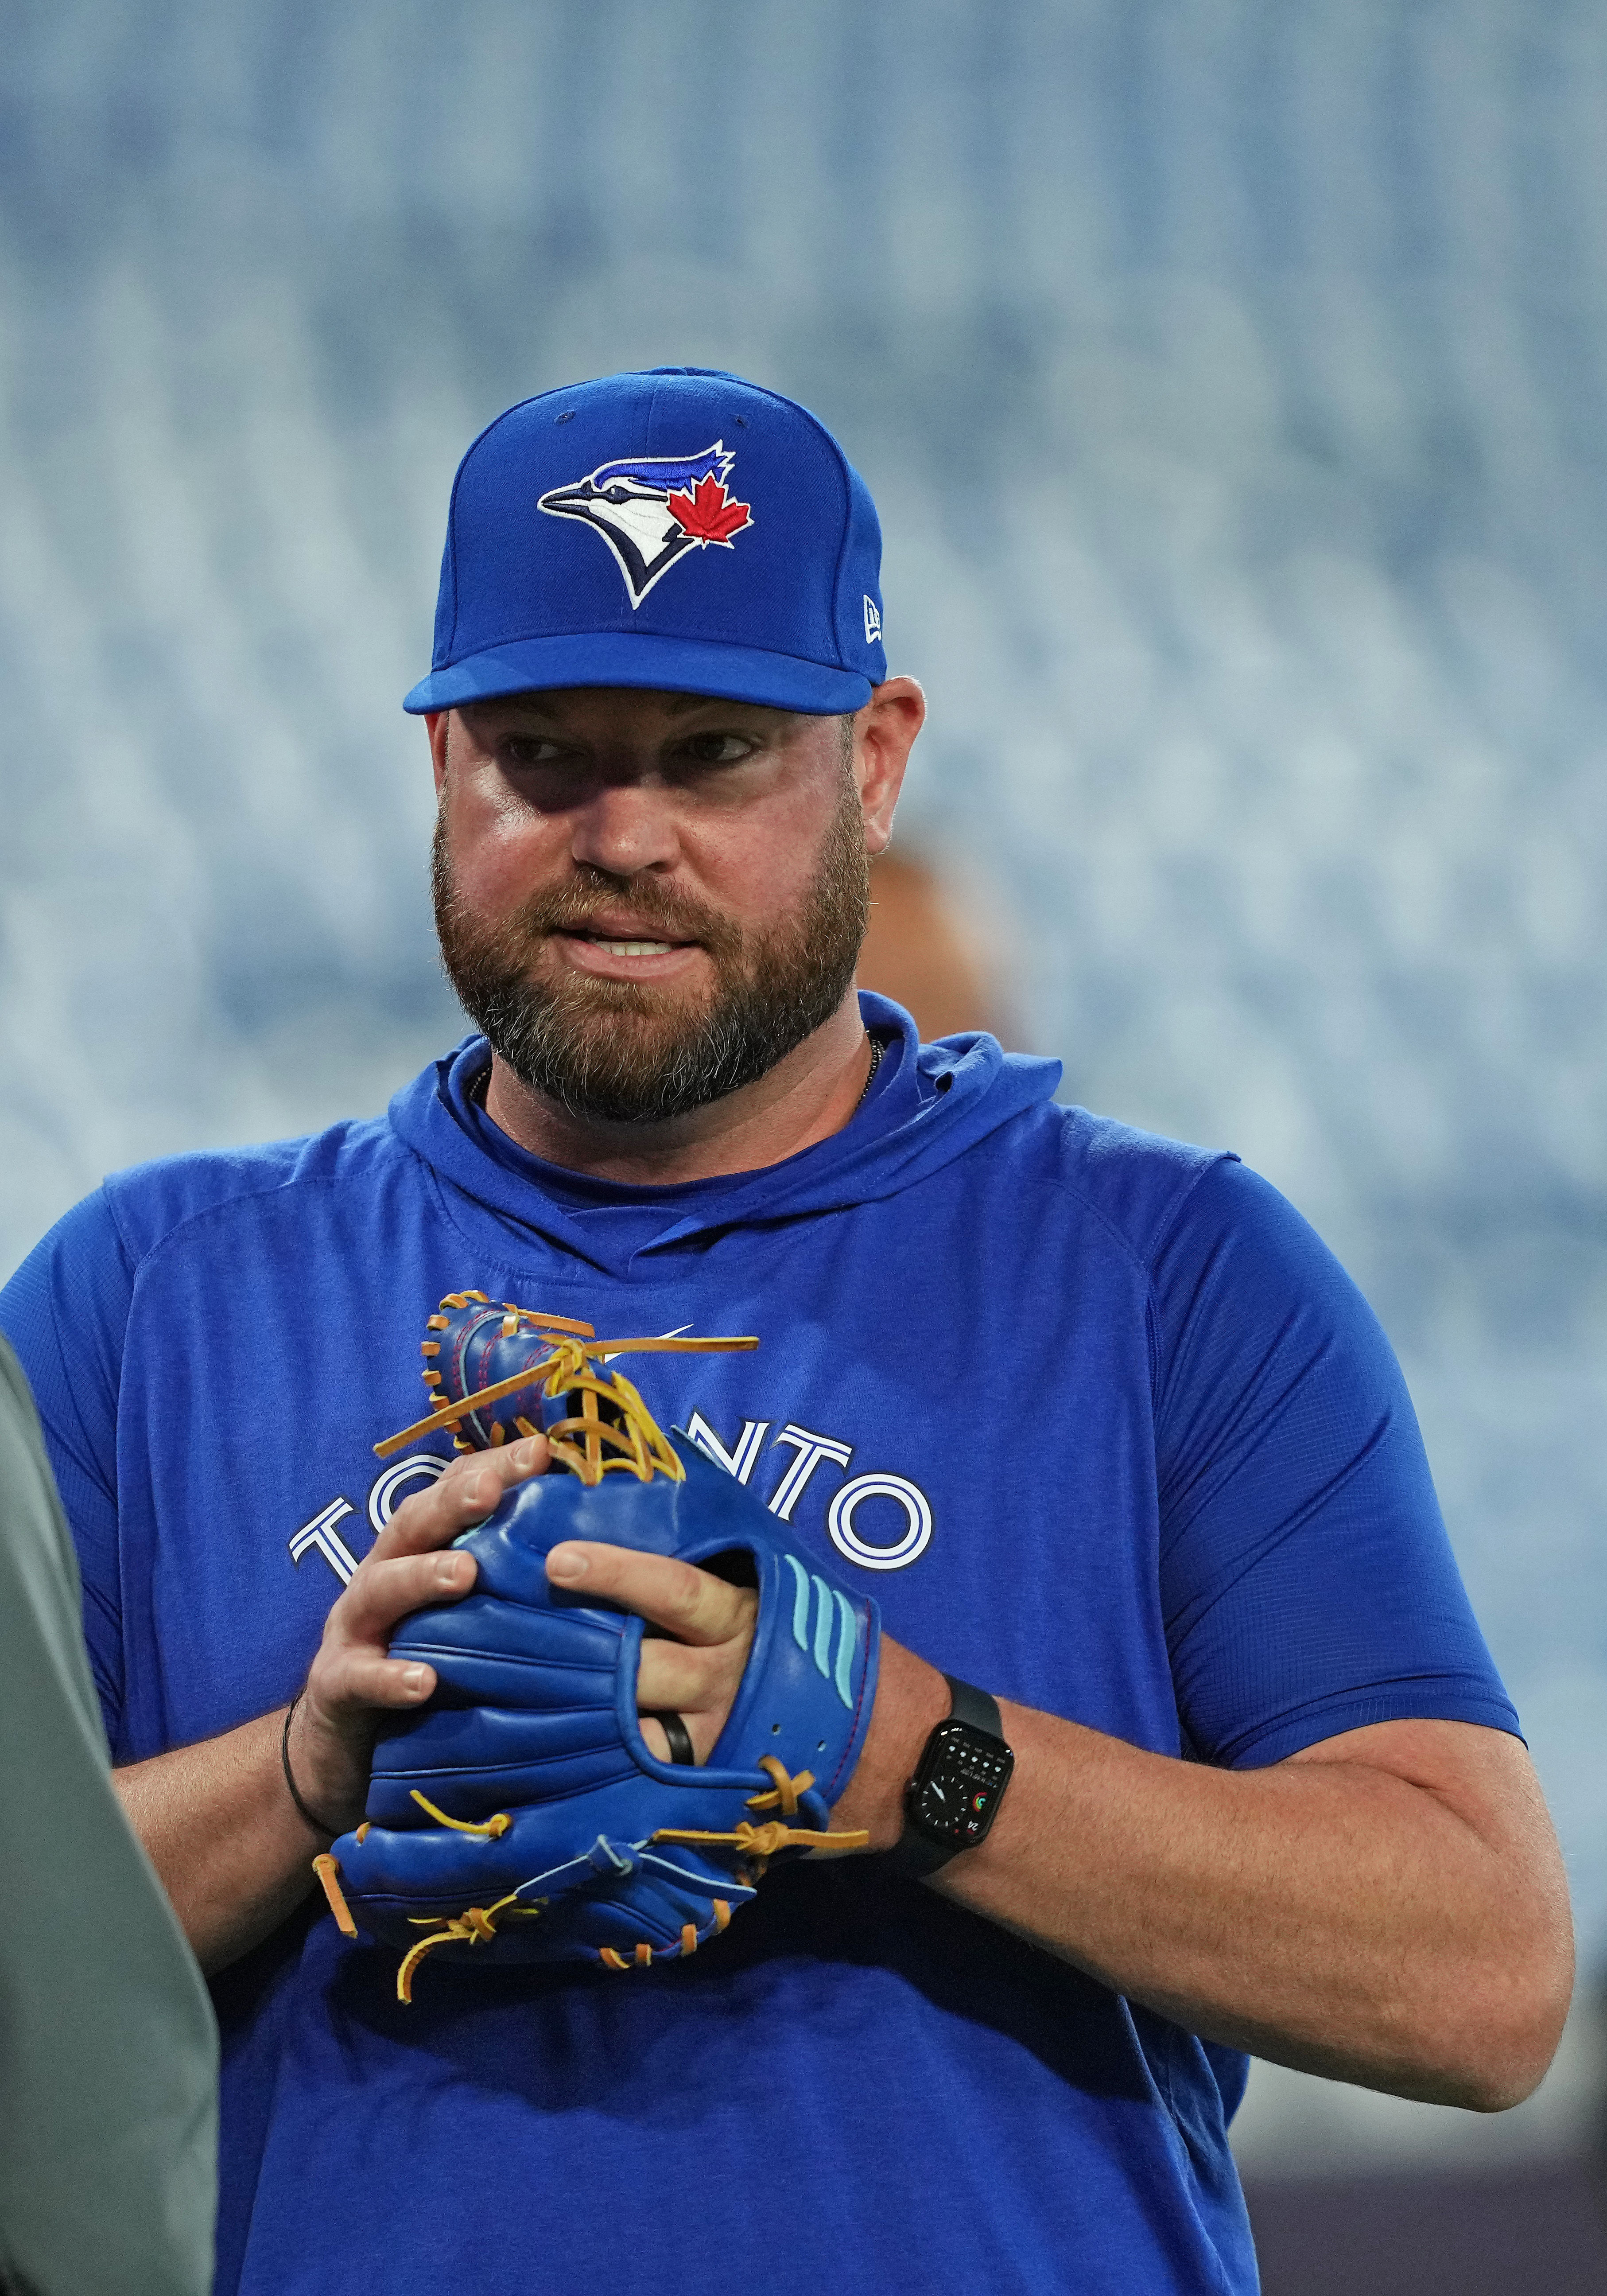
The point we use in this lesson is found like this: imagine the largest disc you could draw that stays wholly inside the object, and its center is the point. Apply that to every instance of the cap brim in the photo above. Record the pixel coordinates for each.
(780, 681)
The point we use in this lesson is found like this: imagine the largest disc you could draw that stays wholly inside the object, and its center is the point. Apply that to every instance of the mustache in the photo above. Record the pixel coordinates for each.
(590, 895)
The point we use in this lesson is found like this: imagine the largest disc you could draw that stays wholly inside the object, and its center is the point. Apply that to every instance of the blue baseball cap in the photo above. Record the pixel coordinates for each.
(679, 529)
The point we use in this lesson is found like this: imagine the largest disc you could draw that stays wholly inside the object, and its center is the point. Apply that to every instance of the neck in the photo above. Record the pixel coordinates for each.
(804, 1098)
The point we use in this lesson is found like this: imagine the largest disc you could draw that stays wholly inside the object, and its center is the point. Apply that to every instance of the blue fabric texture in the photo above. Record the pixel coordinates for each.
(678, 529)
(1094, 1416)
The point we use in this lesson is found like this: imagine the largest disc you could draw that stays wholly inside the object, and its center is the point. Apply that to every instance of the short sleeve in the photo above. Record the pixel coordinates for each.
(65, 1311)
(1307, 1583)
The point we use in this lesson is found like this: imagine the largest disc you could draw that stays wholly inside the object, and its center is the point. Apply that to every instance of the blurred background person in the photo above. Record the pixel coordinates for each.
(925, 951)
(1233, 383)
(107, 2043)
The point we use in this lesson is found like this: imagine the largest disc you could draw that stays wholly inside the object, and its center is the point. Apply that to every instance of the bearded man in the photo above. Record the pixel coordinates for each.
(1096, 1417)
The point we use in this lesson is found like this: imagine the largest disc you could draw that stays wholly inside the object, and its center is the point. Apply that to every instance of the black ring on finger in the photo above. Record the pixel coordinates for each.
(679, 1737)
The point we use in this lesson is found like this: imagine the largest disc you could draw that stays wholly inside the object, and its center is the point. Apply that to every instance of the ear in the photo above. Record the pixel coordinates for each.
(435, 723)
(884, 732)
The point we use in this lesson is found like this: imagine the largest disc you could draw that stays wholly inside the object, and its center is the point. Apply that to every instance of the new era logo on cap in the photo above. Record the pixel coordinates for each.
(570, 513)
(651, 510)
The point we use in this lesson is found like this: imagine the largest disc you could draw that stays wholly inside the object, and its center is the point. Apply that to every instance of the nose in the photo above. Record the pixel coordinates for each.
(624, 827)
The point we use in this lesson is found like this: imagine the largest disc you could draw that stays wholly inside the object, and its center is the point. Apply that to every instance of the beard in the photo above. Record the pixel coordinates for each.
(623, 1052)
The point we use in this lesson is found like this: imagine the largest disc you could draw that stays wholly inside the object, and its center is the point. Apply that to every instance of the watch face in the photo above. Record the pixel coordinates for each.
(957, 1789)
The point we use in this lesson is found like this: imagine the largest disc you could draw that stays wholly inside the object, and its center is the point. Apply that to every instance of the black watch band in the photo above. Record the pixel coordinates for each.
(963, 1769)
(969, 1704)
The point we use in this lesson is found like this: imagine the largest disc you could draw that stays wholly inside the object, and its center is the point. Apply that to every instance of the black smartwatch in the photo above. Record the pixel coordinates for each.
(959, 1782)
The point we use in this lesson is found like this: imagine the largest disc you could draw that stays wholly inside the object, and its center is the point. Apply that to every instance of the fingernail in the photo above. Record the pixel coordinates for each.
(567, 1563)
(525, 1451)
(415, 1682)
(450, 1570)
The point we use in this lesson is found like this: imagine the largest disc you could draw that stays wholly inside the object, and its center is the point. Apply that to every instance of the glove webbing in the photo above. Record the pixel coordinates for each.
(631, 1430)
(564, 1367)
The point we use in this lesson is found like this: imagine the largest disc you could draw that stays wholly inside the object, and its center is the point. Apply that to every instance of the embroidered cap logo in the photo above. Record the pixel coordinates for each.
(650, 510)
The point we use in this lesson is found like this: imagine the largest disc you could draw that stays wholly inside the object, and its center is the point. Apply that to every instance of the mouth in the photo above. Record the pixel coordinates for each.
(623, 952)
(620, 940)
(629, 947)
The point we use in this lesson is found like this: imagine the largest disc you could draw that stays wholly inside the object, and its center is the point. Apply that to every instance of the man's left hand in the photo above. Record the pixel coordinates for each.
(694, 1666)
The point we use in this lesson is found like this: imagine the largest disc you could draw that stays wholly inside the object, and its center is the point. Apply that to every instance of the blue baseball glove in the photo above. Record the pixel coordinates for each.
(520, 1816)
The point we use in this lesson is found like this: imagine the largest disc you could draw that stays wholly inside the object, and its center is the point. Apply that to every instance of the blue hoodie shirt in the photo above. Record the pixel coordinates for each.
(1095, 1416)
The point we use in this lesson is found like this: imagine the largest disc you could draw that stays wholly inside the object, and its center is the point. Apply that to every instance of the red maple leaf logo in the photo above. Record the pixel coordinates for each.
(709, 514)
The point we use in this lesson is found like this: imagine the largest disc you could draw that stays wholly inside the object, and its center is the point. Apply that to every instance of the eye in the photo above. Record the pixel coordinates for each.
(524, 750)
(718, 748)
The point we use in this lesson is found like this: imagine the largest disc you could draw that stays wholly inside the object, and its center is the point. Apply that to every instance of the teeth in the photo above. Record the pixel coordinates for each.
(633, 947)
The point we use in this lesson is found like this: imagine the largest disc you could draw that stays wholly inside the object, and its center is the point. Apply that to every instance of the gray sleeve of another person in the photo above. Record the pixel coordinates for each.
(108, 2044)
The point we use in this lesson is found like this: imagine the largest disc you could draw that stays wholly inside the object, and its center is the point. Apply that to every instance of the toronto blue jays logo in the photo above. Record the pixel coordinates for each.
(651, 511)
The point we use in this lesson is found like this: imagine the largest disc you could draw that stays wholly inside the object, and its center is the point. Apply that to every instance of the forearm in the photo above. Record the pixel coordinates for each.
(228, 1844)
(1327, 1912)
(1327, 1915)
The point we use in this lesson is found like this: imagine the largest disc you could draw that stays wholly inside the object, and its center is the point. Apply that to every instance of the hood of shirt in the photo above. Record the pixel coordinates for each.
(927, 1105)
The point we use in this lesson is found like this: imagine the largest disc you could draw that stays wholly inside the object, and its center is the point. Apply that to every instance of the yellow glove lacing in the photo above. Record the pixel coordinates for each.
(477, 1925)
(612, 1416)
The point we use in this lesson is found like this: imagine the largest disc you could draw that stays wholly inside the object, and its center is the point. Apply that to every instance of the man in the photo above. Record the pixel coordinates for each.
(1095, 1416)
(108, 2060)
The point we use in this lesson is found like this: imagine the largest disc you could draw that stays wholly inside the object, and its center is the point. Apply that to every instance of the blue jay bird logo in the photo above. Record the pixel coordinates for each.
(651, 510)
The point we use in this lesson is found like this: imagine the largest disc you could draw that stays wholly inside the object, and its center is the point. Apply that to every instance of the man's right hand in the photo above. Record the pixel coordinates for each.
(233, 1852)
(353, 1682)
